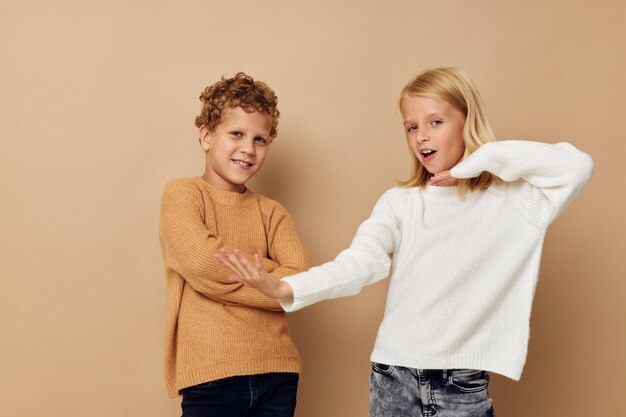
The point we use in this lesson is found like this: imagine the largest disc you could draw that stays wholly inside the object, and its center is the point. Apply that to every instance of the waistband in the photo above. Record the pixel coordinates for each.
(430, 374)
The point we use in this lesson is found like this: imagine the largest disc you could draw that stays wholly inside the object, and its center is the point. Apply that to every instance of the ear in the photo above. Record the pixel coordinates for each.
(205, 137)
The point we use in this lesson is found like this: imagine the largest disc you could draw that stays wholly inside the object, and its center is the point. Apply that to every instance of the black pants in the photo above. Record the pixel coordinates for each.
(262, 395)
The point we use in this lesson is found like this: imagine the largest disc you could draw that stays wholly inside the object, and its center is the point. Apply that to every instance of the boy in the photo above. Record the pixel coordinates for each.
(228, 349)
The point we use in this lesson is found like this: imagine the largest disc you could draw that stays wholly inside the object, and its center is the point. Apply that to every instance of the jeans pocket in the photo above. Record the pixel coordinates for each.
(469, 380)
(381, 368)
(201, 386)
(214, 383)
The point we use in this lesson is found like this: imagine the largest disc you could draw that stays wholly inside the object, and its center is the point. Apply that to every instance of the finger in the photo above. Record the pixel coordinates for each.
(238, 266)
(259, 265)
(223, 254)
(446, 183)
(441, 179)
(224, 251)
(434, 181)
(220, 256)
(235, 278)
(449, 180)
(244, 263)
(260, 270)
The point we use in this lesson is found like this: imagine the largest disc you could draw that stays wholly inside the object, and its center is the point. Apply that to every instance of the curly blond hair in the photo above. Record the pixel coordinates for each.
(239, 91)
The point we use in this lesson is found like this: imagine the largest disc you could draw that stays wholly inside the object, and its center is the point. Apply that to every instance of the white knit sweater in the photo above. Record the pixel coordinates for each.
(464, 270)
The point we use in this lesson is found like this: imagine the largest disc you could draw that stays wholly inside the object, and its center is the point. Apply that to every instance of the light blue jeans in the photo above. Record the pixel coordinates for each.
(406, 392)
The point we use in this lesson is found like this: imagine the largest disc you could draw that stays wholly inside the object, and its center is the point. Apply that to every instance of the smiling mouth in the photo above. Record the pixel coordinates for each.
(242, 163)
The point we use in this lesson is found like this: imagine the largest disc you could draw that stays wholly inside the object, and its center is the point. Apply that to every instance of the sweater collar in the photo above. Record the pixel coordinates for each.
(230, 198)
(442, 193)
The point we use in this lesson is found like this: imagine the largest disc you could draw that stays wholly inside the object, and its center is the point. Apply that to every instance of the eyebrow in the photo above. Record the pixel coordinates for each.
(428, 116)
(238, 128)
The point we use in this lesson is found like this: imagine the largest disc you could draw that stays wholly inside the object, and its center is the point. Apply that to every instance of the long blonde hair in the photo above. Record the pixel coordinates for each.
(453, 86)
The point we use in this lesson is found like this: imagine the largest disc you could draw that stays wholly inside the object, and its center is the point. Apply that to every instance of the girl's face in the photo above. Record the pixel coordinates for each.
(434, 131)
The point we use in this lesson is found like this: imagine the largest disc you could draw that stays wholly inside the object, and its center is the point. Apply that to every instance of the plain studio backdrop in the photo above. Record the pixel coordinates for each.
(97, 106)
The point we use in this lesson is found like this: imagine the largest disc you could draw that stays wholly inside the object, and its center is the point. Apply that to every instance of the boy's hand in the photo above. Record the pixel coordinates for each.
(253, 275)
(443, 179)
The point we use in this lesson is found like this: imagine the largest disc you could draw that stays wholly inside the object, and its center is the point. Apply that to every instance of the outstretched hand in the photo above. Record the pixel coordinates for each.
(253, 275)
(443, 179)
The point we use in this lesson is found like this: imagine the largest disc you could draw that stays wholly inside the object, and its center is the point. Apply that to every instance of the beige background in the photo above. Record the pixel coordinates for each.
(97, 106)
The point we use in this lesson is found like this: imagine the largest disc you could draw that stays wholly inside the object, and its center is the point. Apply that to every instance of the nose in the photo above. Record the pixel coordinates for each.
(247, 147)
(421, 138)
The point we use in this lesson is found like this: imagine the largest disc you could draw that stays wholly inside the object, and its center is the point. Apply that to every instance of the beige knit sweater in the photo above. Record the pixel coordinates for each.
(217, 328)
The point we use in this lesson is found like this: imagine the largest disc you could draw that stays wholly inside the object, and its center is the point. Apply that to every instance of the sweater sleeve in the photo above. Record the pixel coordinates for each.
(284, 245)
(365, 262)
(189, 248)
(545, 178)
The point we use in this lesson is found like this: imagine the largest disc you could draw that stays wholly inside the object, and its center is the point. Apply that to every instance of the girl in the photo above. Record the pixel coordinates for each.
(465, 234)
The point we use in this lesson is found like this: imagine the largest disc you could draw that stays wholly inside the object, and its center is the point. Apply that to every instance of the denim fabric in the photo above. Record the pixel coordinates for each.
(263, 395)
(406, 392)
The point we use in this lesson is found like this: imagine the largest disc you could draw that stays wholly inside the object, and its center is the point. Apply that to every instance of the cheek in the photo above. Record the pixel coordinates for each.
(412, 147)
(457, 141)
(460, 150)
(461, 145)
(461, 137)
(261, 154)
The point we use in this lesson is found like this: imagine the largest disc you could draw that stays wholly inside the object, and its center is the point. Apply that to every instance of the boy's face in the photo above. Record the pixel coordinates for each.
(236, 148)
(434, 130)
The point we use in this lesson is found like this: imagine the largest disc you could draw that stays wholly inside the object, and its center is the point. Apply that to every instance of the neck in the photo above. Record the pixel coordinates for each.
(222, 185)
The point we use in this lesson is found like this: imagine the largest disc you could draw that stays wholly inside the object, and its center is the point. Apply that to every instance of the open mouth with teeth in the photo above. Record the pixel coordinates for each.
(428, 153)
(242, 164)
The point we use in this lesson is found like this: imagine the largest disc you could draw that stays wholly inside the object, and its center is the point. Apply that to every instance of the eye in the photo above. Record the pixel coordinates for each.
(261, 140)
(436, 122)
(236, 133)
(411, 128)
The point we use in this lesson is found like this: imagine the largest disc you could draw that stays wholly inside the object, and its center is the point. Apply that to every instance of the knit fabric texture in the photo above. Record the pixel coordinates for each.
(217, 328)
(464, 269)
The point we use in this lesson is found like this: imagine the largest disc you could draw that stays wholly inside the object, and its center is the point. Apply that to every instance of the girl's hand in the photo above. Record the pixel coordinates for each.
(253, 275)
(443, 179)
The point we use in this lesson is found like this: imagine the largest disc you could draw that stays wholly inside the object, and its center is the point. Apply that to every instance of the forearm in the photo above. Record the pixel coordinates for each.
(194, 259)
(232, 293)
(366, 261)
(555, 174)
(245, 296)
(188, 244)
(287, 270)
(346, 275)
(541, 164)
(285, 246)
(189, 247)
